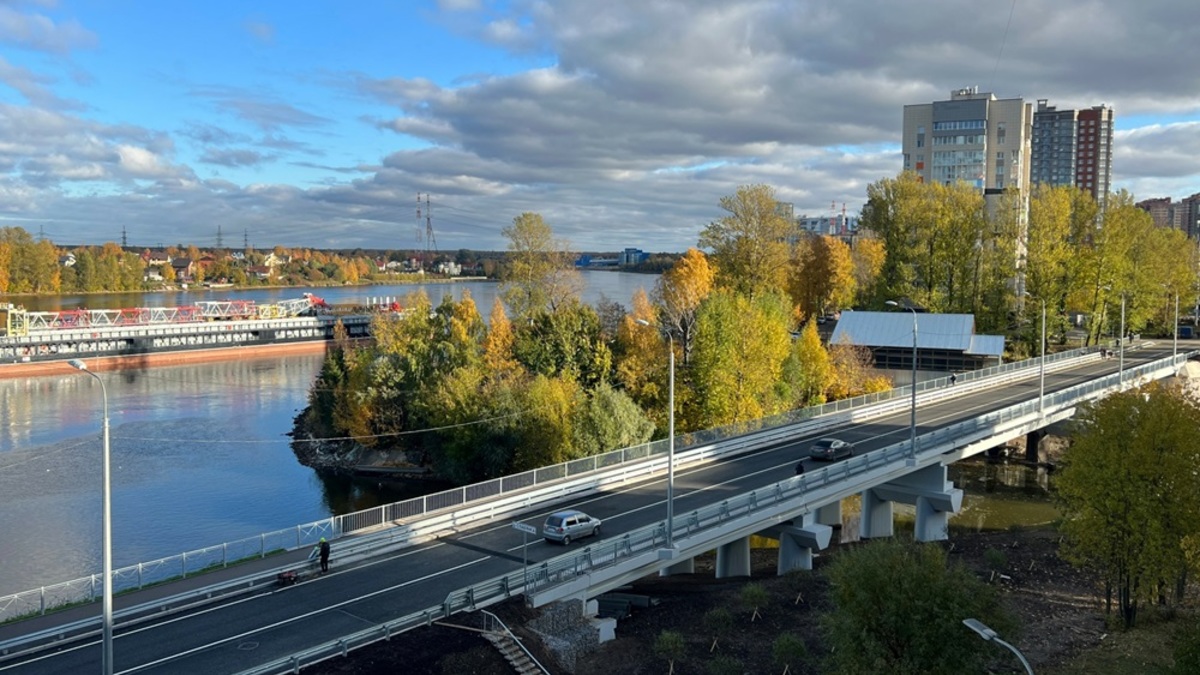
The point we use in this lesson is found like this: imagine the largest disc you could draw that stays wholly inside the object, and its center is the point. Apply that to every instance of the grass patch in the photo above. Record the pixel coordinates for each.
(1145, 650)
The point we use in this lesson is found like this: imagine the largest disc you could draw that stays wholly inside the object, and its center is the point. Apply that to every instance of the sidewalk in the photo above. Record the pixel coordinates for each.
(258, 574)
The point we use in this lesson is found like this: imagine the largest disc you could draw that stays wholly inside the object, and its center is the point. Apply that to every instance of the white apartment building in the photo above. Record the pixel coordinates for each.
(971, 137)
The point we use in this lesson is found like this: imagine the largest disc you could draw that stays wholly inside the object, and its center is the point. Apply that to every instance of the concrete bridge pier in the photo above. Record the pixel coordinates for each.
(934, 496)
(798, 542)
(733, 559)
(830, 514)
(686, 566)
(1033, 441)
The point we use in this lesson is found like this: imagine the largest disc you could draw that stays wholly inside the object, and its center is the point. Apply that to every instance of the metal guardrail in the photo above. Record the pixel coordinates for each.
(133, 577)
(647, 540)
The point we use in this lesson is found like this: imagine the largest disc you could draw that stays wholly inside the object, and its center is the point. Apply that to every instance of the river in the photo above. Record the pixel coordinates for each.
(200, 454)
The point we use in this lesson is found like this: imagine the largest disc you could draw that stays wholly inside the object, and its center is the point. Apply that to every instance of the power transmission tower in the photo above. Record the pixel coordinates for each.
(220, 238)
(246, 239)
(124, 239)
(430, 240)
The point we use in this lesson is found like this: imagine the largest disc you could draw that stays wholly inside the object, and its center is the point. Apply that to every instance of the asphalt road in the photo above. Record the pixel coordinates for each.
(228, 638)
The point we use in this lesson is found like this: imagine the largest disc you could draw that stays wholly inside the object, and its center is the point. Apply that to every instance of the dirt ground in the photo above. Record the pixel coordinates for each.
(1058, 606)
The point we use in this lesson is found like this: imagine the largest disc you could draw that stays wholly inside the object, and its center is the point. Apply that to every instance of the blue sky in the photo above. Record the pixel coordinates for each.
(317, 123)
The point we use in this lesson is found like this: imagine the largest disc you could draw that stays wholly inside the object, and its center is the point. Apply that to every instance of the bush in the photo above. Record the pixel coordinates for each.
(718, 622)
(754, 596)
(995, 559)
(898, 608)
(789, 651)
(669, 646)
(725, 665)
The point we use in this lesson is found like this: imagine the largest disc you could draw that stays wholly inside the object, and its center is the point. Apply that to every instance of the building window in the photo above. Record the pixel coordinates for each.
(1000, 133)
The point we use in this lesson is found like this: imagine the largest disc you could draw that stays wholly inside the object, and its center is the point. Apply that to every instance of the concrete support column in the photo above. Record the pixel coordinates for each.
(830, 514)
(934, 497)
(798, 542)
(1033, 441)
(682, 567)
(733, 559)
(932, 524)
(876, 515)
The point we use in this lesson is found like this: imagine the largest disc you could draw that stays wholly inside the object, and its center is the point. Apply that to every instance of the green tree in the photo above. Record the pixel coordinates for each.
(565, 342)
(609, 420)
(1130, 493)
(898, 608)
(750, 245)
(894, 214)
(540, 274)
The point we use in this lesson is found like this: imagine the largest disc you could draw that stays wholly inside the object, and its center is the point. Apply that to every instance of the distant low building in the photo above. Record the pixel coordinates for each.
(946, 343)
(633, 256)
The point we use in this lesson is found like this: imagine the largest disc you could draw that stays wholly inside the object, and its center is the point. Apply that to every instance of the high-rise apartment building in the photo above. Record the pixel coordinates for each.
(972, 137)
(1073, 147)
(1190, 215)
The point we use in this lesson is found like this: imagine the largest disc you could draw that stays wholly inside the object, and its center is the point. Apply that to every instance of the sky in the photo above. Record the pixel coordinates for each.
(318, 123)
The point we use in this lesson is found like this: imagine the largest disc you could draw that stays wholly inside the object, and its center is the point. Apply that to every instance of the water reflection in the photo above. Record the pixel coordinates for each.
(345, 494)
(1000, 495)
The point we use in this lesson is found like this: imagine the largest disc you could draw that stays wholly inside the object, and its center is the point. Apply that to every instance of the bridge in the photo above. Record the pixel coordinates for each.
(393, 571)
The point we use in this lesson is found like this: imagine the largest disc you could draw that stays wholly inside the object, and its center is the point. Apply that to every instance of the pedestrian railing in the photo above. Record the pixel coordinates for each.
(133, 577)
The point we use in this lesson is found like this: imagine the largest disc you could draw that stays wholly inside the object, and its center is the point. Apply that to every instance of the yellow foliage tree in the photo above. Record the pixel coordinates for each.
(678, 295)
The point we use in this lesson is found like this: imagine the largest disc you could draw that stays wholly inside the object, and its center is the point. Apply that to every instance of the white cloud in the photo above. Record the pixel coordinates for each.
(625, 125)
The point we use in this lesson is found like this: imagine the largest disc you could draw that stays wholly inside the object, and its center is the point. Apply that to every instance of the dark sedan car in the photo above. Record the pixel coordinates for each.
(831, 449)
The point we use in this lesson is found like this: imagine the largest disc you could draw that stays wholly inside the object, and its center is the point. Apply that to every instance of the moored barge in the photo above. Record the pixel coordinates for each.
(42, 337)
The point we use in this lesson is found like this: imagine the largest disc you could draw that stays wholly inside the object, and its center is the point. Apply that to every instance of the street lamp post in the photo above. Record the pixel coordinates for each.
(107, 526)
(912, 431)
(1175, 331)
(670, 436)
(1121, 345)
(1042, 365)
(991, 636)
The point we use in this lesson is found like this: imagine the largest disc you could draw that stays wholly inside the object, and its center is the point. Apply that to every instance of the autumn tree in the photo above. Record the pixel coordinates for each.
(741, 344)
(641, 359)
(678, 294)
(853, 372)
(1130, 493)
(808, 370)
(750, 244)
(868, 256)
(822, 276)
(540, 274)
